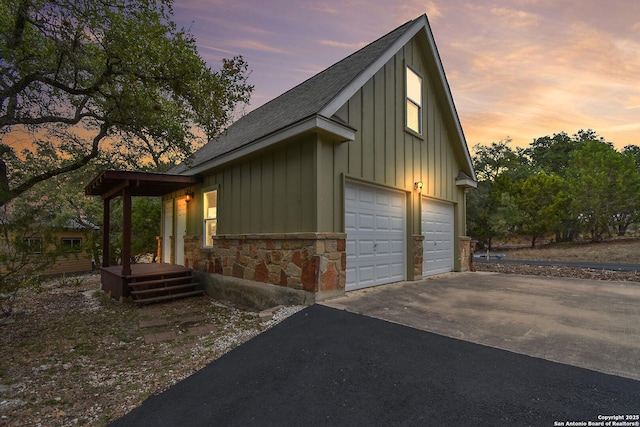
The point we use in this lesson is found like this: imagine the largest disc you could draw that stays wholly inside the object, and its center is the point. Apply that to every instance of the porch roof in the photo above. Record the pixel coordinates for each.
(110, 183)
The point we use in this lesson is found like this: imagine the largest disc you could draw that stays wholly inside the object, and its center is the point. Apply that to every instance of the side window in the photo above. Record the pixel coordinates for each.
(210, 215)
(72, 245)
(32, 245)
(414, 101)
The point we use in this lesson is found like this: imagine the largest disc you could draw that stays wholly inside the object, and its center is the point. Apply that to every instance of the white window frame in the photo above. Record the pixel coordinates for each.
(33, 245)
(74, 244)
(210, 217)
(410, 74)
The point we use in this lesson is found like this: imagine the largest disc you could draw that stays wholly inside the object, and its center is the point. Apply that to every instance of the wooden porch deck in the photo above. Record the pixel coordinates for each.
(149, 282)
(146, 269)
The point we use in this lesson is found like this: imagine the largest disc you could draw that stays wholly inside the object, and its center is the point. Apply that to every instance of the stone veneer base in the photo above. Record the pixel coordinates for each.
(308, 265)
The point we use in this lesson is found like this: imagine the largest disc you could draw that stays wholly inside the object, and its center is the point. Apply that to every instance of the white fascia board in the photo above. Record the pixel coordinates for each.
(447, 91)
(466, 183)
(314, 123)
(342, 132)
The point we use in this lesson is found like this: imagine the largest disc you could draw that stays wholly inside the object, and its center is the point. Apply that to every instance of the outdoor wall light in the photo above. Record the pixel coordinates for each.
(418, 186)
(188, 196)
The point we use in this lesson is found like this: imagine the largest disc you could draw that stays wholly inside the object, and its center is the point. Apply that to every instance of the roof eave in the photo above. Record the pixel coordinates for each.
(332, 129)
(110, 183)
(466, 182)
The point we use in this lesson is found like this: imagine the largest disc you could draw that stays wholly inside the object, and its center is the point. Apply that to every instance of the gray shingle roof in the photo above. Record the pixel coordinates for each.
(303, 101)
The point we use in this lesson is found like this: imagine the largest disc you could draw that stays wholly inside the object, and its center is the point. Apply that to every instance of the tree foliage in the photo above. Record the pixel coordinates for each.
(26, 246)
(498, 159)
(543, 202)
(605, 188)
(560, 184)
(81, 78)
(491, 210)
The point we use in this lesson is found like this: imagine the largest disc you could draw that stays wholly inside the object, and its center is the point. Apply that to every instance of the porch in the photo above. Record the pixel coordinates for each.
(141, 283)
(149, 283)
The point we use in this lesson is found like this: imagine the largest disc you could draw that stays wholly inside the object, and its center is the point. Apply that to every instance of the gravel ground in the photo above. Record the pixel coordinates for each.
(71, 356)
(559, 271)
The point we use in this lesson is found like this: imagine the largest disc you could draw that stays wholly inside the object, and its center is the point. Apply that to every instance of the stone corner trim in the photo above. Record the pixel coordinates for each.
(418, 255)
(466, 255)
(312, 262)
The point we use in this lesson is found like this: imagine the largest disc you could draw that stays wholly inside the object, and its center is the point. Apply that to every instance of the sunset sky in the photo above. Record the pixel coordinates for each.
(517, 68)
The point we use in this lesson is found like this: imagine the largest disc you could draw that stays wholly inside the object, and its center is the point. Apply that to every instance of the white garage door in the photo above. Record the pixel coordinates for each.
(376, 242)
(437, 229)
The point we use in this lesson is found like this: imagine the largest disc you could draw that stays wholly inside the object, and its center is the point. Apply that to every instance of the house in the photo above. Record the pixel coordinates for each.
(68, 241)
(354, 178)
(73, 238)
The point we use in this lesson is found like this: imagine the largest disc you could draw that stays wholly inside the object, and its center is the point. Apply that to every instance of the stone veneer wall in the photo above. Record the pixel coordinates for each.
(312, 262)
(465, 253)
(418, 255)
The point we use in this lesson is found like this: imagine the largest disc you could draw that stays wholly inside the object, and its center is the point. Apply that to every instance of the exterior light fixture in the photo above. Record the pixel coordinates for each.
(418, 186)
(188, 196)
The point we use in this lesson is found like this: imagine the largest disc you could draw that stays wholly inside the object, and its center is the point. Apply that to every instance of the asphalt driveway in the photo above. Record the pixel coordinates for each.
(330, 366)
(585, 323)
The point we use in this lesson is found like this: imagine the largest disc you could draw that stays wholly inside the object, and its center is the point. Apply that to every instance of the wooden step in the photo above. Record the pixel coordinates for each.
(166, 289)
(168, 297)
(158, 274)
(160, 281)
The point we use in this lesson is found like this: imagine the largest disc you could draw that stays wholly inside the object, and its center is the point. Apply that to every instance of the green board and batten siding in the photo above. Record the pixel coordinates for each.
(383, 152)
(272, 192)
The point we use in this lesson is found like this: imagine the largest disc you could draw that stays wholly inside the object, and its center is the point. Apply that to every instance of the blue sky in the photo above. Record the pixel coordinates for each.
(517, 68)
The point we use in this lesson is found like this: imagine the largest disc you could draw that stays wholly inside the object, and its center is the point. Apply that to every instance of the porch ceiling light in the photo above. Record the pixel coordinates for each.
(418, 186)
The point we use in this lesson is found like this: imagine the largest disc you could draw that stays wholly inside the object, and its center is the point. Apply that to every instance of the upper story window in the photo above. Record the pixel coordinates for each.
(210, 215)
(414, 101)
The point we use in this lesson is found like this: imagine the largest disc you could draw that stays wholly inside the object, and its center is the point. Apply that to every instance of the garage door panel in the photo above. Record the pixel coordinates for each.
(397, 271)
(365, 248)
(376, 243)
(398, 247)
(438, 244)
(383, 246)
(397, 224)
(366, 273)
(383, 199)
(366, 222)
(350, 221)
(350, 247)
(383, 222)
(366, 197)
(383, 271)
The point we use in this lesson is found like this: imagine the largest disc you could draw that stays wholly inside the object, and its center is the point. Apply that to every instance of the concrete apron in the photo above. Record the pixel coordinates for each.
(587, 323)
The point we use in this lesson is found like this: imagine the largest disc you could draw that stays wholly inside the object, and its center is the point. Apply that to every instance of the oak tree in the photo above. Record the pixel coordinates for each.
(81, 78)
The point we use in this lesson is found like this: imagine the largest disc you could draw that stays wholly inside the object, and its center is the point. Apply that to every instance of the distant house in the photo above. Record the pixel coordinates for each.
(71, 240)
(354, 178)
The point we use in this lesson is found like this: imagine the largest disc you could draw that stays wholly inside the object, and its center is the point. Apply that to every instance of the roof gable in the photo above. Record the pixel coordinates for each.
(321, 95)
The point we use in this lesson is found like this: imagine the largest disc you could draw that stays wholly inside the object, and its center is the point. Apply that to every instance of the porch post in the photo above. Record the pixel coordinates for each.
(106, 217)
(126, 231)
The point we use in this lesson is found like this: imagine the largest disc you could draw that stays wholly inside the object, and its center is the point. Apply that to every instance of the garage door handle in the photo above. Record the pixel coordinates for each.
(375, 247)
